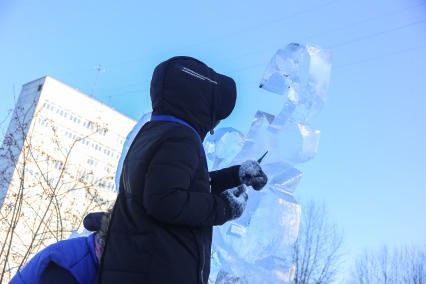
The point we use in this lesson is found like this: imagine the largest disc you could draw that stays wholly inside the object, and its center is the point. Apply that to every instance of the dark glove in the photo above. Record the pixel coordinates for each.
(251, 174)
(236, 201)
(92, 222)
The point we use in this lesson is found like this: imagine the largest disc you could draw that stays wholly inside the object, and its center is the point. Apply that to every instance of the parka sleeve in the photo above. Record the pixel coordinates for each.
(166, 196)
(224, 179)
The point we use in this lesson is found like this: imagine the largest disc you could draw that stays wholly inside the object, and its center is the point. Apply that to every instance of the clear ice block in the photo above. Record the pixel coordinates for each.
(302, 74)
(222, 147)
(256, 140)
(288, 68)
(292, 143)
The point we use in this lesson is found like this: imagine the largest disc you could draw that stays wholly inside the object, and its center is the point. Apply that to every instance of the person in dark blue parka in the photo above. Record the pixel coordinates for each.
(69, 261)
(160, 230)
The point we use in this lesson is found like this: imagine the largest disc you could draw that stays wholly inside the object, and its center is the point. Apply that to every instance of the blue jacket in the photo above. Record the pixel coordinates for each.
(76, 255)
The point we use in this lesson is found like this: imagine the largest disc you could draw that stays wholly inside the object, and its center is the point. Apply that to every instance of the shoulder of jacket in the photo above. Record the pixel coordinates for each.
(178, 131)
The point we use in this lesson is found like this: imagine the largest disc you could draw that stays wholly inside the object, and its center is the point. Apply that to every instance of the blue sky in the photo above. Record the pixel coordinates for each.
(370, 168)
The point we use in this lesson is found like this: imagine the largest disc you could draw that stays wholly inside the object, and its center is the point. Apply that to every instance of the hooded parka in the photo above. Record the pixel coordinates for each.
(160, 229)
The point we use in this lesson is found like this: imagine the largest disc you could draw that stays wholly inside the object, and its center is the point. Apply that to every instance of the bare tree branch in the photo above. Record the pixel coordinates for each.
(399, 265)
(49, 194)
(316, 253)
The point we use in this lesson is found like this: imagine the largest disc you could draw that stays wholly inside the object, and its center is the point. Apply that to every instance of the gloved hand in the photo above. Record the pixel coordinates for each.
(93, 221)
(251, 174)
(236, 200)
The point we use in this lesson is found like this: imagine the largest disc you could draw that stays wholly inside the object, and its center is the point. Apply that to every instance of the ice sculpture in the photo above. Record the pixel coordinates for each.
(256, 248)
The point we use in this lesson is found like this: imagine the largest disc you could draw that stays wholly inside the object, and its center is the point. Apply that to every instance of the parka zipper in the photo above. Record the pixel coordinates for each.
(202, 266)
(200, 255)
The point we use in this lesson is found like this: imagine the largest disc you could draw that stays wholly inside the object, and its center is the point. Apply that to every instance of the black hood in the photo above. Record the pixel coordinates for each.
(190, 90)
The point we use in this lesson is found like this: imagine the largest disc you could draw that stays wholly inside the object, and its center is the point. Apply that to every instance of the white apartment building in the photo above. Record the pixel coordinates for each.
(57, 163)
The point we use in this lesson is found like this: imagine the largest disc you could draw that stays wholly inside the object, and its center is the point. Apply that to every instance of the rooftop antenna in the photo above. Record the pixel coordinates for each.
(99, 69)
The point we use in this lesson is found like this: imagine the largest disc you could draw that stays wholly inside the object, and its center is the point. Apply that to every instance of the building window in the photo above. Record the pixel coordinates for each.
(89, 125)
